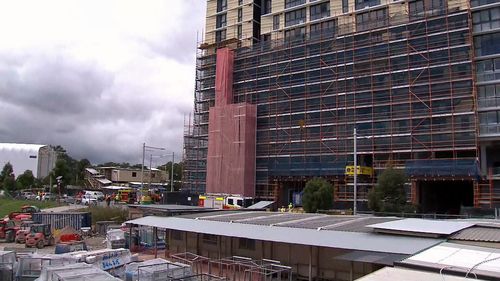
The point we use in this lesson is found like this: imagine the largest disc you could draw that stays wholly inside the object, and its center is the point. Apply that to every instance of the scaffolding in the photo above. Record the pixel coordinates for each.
(406, 84)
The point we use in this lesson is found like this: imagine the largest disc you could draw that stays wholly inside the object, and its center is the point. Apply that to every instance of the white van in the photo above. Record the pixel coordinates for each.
(97, 194)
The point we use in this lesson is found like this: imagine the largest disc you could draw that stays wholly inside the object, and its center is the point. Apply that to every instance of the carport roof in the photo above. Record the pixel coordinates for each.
(301, 236)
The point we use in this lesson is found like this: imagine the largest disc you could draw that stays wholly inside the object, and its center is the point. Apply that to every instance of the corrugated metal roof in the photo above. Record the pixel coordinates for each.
(104, 181)
(478, 233)
(422, 226)
(296, 220)
(360, 224)
(261, 205)
(331, 239)
(92, 171)
(394, 273)
(481, 261)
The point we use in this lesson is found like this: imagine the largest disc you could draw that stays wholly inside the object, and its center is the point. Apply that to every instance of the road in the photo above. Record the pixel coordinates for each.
(67, 208)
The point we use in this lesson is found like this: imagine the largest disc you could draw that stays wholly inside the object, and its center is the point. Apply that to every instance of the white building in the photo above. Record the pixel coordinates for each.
(38, 158)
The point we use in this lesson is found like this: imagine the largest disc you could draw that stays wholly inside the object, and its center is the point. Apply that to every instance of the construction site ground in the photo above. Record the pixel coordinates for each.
(93, 243)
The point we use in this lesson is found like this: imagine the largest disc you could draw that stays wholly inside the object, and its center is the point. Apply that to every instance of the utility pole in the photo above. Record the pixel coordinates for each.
(142, 167)
(150, 169)
(355, 183)
(172, 174)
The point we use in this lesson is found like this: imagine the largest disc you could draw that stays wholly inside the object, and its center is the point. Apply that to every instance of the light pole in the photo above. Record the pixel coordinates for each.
(171, 170)
(355, 179)
(172, 174)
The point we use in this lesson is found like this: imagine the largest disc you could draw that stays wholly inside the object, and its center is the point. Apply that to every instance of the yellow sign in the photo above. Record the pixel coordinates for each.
(360, 170)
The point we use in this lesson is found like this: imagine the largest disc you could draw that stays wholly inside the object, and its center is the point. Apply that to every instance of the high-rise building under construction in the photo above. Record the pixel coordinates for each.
(282, 84)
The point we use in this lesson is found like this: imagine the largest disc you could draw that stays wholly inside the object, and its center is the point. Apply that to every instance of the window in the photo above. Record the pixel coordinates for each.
(220, 35)
(266, 37)
(488, 44)
(210, 239)
(134, 174)
(221, 21)
(33, 156)
(153, 175)
(476, 3)
(221, 5)
(488, 70)
(488, 96)
(240, 15)
(419, 8)
(326, 28)
(240, 2)
(239, 31)
(361, 4)
(320, 11)
(295, 17)
(371, 19)
(246, 244)
(266, 7)
(298, 33)
(486, 19)
(276, 22)
(293, 3)
(345, 6)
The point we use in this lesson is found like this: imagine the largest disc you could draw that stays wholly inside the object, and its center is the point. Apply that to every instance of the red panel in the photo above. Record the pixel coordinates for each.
(224, 77)
(231, 149)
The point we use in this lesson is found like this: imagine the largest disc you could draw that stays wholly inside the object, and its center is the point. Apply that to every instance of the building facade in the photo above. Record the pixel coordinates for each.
(415, 78)
(39, 159)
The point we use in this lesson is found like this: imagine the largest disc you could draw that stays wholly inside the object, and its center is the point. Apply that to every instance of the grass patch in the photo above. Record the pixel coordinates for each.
(13, 205)
(116, 214)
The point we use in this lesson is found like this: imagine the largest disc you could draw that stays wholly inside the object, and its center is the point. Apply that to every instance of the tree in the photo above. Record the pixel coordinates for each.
(389, 195)
(177, 173)
(318, 195)
(80, 170)
(62, 169)
(26, 179)
(9, 183)
(7, 171)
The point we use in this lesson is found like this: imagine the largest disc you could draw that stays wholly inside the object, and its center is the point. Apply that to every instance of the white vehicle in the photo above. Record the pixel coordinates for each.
(89, 199)
(97, 194)
(28, 195)
(224, 201)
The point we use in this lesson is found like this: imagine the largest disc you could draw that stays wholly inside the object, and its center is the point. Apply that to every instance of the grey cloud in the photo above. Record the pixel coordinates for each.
(50, 95)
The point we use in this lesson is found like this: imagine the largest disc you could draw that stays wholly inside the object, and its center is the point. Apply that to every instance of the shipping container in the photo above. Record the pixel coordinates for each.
(76, 220)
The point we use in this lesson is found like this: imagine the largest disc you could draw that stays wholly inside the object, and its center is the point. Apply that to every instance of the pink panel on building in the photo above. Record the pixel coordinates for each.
(231, 149)
(224, 77)
(231, 136)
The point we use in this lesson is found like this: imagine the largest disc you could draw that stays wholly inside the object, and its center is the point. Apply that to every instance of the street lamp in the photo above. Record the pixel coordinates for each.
(144, 147)
(59, 180)
(171, 169)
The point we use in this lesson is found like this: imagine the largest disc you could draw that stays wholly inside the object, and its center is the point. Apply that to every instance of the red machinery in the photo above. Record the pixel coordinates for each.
(8, 230)
(40, 236)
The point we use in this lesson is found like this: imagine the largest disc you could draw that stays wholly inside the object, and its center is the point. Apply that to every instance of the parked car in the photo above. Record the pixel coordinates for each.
(88, 199)
(27, 195)
(97, 194)
(48, 196)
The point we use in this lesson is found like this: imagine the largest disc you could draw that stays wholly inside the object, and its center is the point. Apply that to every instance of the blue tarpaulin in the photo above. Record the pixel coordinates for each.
(442, 168)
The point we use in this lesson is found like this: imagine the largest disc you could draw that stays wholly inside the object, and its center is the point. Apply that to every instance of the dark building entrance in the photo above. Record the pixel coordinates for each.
(445, 197)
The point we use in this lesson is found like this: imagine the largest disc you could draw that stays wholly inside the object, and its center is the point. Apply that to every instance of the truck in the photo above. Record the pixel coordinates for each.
(224, 201)
(25, 213)
(8, 230)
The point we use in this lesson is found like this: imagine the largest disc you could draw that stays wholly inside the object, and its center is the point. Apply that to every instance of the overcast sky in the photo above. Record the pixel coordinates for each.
(98, 77)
